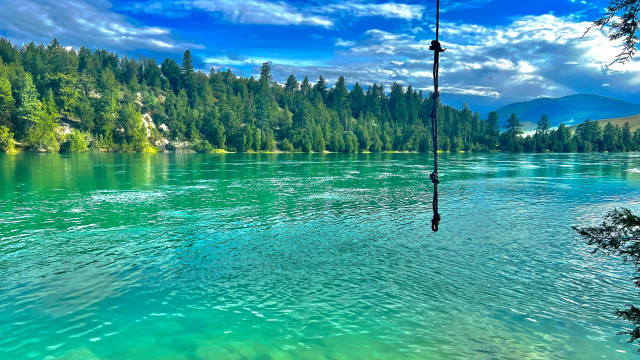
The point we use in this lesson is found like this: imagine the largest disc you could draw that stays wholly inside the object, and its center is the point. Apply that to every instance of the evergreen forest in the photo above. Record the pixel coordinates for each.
(58, 99)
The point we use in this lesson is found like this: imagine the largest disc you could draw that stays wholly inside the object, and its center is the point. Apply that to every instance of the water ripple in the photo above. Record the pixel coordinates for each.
(323, 257)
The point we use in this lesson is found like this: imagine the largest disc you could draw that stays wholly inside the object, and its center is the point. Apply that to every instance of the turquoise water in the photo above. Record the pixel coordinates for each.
(134, 256)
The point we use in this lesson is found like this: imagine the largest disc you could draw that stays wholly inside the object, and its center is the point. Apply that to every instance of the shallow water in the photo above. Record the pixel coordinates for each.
(134, 256)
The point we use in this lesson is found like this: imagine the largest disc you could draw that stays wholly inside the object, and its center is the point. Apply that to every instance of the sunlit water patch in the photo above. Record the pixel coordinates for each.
(117, 256)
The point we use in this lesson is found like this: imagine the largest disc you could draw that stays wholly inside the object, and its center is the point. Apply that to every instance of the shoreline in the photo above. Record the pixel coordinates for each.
(277, 152)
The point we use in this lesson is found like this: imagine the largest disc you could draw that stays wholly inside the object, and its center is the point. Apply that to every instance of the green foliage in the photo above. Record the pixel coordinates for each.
(8, 52)
(104, 96)
(76, 142)
(265, 73)
(172, 72)
(41, 136)
(619, 235)
(202, 146)
(6, 140)
(543, 125)
(219, 136)
(292, 84)
(492, 130)
(321, 88)
(514, 128)
(130, 129)
(286, 145)
(7, 103)
(305, 88)
(188, 76)
(30, 112)
(64, 88)
(589, 136)
(351, 142)
(627, 138)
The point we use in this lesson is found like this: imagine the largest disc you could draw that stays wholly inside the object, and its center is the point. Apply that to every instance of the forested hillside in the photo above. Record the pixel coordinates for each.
(54, 98)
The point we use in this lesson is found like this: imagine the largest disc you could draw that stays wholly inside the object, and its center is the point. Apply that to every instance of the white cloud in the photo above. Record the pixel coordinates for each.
(344, 43)
(387, 10)
(530, 57)
(525, 67)
(471, 90)
(467, 4)
(280, 13)
(241, 63)
(80, 22)
(162, 44)
(258, 12)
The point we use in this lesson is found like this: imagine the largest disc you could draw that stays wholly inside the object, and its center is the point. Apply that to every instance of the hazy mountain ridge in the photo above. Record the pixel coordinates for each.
(571, 110)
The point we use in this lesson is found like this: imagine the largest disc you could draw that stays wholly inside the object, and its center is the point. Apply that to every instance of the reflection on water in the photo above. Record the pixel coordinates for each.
(112, 256)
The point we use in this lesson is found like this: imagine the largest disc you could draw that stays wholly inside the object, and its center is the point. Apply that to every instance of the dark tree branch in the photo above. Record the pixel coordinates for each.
(619, 235)
(622, 18)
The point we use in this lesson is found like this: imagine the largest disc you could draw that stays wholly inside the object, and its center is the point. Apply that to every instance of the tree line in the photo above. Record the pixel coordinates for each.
(109, 102)
(587, 137)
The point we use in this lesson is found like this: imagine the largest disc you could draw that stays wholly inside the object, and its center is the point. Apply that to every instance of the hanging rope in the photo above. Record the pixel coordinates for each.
(437, 48)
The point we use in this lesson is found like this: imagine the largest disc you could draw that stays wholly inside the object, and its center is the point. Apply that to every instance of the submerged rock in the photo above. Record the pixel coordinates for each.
(82, 353)
(215, 352)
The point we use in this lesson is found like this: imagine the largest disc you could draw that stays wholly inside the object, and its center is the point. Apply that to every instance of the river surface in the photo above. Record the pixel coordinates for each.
(264, 256)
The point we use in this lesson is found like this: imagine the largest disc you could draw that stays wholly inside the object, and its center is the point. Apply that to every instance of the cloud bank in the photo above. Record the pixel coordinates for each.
(533, 56)
(264, 12)
(82, 23)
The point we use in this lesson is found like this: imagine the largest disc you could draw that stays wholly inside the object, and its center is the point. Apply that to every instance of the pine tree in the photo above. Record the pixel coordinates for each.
(108, 105)
(543, 125)
(619, 235)
(339, 101)
(263, 106)
(563, 139)
(492, 130)
(54, 44)
(514, 128)
(357, 100)
(305, 88)
(321, 88)
(589, 135)
(220, 138)
(609, 137)
(172, 71)
(627, 140)
(623, 18)
(265, 73)
(187, 78)
(291, 84)
(7, 103)
(30, 109)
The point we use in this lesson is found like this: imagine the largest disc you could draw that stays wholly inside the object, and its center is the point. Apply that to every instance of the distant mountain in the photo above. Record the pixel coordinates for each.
(571, 110)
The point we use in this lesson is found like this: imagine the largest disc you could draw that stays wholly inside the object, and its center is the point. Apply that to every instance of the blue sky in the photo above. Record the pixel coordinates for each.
(499, 51)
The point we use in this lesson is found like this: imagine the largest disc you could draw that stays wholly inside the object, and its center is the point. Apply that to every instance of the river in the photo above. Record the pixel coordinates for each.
(295, 256)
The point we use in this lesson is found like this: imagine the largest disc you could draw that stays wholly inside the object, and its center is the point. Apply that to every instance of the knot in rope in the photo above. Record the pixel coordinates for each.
(435, 46)
(435, 222)
(434, 178)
